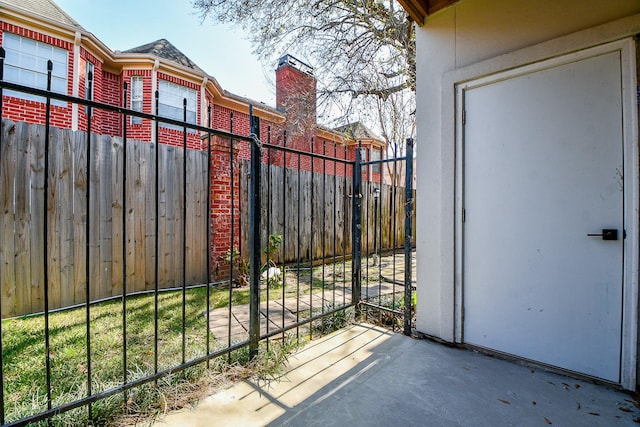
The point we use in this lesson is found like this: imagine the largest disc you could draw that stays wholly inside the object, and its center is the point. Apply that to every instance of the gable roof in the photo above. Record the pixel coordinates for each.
(357, 130)
(45, 8)
(164, 49)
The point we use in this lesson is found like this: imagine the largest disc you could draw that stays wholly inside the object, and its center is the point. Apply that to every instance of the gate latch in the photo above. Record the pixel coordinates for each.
(607, 234)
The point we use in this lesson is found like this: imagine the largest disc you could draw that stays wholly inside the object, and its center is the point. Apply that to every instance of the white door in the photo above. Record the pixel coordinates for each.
(543, 169)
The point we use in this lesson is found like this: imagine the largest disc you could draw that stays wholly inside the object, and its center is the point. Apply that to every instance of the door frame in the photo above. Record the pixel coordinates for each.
(631, 196)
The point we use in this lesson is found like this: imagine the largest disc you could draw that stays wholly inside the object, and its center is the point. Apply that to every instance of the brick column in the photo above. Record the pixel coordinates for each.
(221, 206)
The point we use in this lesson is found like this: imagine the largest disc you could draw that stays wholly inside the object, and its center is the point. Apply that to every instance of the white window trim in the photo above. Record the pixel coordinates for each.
(17, 62)
(171, 95)
(137, 96)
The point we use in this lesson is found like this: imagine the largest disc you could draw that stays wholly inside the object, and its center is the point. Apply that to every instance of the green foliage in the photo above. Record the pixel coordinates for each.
(273, 243)
(334, 321)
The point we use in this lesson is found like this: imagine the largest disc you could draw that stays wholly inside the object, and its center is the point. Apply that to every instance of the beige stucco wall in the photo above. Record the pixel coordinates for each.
(482, 36)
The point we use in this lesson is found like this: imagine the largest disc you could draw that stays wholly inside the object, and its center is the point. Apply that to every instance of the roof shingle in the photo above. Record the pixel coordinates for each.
(164, 49)
(45, 8)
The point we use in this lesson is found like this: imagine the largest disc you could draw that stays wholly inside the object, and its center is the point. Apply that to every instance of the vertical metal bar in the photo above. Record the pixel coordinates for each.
(284, 227)
(380, 247)
(313, 160)
(324, 225)
(45, 254)
(394, 221)
(157, 236)
(88, 242)
(298, 253)
(124, 244)
(356, 260)
(408, 237)
(269, 211)
(184, 231)
(366, 212)
(344, 235)
(232, 248)
(379, 231)
(208, 231)
(254, 242)
(335, 212)
(2, 56)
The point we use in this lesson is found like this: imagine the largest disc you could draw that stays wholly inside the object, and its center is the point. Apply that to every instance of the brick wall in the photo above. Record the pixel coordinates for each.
(140, 131)
(96, 123)
(111, 94)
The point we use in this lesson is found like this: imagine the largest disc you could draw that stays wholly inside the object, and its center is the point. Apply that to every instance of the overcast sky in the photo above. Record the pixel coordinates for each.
(221, 51)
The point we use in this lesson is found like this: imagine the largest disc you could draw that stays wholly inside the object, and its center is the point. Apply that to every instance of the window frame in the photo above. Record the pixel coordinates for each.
(22, 64)
(89, 95)
(137, 98)
(375, 154)
(169, 92)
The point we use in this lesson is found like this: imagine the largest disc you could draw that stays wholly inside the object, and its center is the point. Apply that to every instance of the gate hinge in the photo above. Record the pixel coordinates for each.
(464, 215)
(464, 117)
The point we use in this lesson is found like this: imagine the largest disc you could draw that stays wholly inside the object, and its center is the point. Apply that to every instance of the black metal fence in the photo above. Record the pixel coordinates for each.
(388, 293)
(71, 358)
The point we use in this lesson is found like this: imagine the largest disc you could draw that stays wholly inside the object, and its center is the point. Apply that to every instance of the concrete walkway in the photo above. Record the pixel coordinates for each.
(368, 376)
(281, 313)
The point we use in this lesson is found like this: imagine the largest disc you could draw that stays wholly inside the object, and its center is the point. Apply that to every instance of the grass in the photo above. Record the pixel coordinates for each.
(24, 358)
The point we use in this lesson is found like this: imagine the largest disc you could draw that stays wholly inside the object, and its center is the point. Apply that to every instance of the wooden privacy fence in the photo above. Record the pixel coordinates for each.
(303, 207)
(312, 211)
(22, 200)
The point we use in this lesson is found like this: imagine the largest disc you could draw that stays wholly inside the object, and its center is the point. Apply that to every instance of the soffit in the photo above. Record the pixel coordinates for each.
(418, 10)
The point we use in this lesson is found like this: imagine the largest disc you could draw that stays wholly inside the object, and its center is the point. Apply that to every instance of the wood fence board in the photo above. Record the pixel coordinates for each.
(53, 218)
(93, 215)
(133, 179)
(22, 218)
(117, 215)
(36, 141)
(150, 218)
(163, 215)
(144, 185)
(7, 244)
(65, 218)
(80, 185)
(176, 247)
(104, 168)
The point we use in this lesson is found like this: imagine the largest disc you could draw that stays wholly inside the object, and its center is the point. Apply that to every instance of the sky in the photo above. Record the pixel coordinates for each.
(221, 51)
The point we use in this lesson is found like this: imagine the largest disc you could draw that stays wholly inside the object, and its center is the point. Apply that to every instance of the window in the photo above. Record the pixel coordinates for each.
(375, 156)
(88, 94)
(88, 91)
(26, 64)
(136, 98)
(170, 101)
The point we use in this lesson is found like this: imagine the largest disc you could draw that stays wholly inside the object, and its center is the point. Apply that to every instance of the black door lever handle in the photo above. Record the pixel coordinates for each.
(607, 234)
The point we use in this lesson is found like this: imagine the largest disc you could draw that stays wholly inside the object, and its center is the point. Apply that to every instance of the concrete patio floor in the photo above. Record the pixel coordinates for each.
(367, 376)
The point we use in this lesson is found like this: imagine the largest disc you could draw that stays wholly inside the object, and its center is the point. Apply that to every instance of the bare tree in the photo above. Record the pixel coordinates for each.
(363, 52)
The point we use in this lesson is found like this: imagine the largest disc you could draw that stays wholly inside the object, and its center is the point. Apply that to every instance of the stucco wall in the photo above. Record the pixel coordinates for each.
(465, 36)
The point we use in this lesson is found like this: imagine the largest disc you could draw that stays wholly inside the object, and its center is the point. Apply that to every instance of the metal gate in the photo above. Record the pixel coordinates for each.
(384, 285)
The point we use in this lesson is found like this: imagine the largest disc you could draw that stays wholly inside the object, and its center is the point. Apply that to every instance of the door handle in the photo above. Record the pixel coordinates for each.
(607, 234)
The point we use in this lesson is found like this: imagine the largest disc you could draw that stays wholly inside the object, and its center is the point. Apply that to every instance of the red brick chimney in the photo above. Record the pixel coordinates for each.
(296, 96)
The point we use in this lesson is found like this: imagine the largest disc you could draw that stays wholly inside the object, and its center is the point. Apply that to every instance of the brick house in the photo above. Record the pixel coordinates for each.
(35, 31)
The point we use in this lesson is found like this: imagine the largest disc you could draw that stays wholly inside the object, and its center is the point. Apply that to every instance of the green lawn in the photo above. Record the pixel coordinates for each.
(24, 347)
